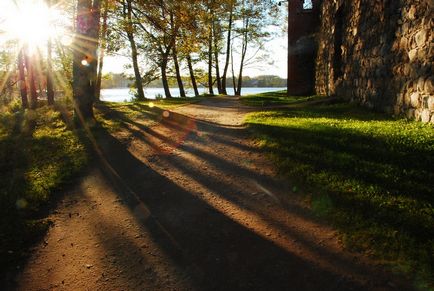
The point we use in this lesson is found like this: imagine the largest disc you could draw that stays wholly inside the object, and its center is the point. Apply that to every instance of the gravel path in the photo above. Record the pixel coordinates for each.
(191, 203)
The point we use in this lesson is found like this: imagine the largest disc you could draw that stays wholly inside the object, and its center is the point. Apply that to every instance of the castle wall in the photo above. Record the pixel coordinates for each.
(378, 53)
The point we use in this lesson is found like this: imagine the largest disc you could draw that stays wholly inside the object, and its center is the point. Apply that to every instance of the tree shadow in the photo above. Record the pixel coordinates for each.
(216, 251)
(391, 171)
(220, 253)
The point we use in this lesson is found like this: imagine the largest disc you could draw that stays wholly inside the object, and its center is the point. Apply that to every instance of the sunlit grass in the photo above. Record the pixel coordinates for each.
(38, 154)
(371, 175)
(274, 98)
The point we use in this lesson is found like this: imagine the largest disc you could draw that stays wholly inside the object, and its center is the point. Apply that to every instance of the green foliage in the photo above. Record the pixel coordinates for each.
(38, 154)
(371, 175)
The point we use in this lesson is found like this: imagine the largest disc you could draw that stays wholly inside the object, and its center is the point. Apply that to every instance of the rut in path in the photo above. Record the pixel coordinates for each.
(190, 203)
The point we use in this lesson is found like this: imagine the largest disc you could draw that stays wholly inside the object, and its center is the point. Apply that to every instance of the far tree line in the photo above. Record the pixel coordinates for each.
(113, 80)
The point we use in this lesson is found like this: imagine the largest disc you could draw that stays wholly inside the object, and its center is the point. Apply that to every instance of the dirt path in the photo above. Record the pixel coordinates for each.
(190, 204)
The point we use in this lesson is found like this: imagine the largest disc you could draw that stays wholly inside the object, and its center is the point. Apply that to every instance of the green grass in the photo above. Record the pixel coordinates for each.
(274, 98)
(38, 154)
(370, 175)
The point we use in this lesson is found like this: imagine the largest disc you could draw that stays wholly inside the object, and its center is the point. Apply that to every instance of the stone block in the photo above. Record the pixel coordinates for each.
(415, 100)
(412, 55)
(430, 103)
(420, 84)
(429, 86)
(421, 37)
(425, 116)
(403, 44)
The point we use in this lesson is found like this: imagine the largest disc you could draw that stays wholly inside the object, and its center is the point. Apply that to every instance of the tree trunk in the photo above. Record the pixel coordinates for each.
(243, 56)
(210, 83)
(85, 60)
(31, 80)
(50, 89)
(193, 78)
(102, 52)
(234, 84)
(164, 75)
(228, 50)
(216, 58)
(22, 84)
(240, 74)
(134, 54)
(178, 73)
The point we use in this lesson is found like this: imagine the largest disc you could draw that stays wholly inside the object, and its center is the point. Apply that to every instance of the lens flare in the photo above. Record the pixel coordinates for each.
(30, 22)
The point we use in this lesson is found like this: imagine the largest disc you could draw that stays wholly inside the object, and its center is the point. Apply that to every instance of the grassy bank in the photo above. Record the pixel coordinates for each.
(370, 175)
(38, 154)
(274, 99)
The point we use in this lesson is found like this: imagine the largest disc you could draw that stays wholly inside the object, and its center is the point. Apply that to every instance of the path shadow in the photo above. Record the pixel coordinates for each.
(218, 252)
(215, 251)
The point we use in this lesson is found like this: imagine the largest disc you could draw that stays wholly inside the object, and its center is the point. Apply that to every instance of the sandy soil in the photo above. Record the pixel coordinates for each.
(191, 204)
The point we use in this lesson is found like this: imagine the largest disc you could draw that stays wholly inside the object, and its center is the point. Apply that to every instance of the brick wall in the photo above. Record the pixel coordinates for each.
(378, 53)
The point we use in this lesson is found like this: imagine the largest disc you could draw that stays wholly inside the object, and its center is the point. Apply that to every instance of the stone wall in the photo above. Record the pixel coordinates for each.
(385, 59)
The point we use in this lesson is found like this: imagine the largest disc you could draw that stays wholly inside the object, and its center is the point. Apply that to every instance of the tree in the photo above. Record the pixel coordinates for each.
(130, 28)
(228, 45)
(29, 63)
(210, 47)
(252, 32)
(175, 54)
(22, 79)
(192, 75)
(160, 32)
(85, 58)
(50, 89)
(103, 47)
(217, 33)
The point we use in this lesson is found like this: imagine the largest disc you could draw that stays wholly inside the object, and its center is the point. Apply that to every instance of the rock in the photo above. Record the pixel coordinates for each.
(412, 13)
(429, 86)
(413, 54)
(421, 37)
(425, 116)
(421, 84)
(414, 99)
(430, 103)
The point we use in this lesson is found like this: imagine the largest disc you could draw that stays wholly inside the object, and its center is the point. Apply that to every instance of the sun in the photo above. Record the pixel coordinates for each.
(31, 22)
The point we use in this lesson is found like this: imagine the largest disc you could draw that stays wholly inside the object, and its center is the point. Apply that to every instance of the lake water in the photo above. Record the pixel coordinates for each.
(124, 94)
